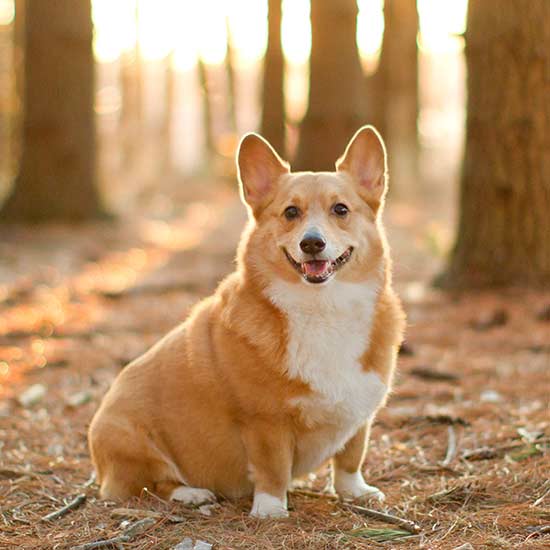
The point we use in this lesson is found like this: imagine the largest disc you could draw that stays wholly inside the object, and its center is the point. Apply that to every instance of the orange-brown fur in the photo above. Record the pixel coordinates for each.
(211, 401)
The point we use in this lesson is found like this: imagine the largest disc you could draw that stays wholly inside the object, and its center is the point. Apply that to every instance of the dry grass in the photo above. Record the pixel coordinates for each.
(112, 292)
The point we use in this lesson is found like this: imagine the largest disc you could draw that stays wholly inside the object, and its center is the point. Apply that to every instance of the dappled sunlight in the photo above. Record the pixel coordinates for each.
(7, 12)
(96, 270)
(36, 327)
(442, 25)
(193, 30)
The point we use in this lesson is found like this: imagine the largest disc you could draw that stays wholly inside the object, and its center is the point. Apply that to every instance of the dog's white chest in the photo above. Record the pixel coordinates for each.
(328, 331)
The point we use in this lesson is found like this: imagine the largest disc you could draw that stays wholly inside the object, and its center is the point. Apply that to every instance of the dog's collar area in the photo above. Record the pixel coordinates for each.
(319, 271)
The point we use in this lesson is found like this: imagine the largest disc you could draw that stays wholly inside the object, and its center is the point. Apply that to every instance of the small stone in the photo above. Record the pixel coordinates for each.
(185, 544)
(79, 398)
(55, 449)
(32, 395)
(490, 396)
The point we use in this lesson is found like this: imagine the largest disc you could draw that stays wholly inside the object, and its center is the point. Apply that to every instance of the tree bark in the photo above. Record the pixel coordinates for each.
(336, 92)
(207, 118)
(504, 225)
(273, 101)
(56, 179)
(229, 63)
(393, 88)
(131, 116)
(392, 91)
(166, 130)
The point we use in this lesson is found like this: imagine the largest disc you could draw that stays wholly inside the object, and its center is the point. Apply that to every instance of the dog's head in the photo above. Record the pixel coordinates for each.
(314, 226)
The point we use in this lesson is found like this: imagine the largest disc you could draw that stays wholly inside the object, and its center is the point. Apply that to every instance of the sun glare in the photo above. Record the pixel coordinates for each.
(199, 29)
(114, 28)
(296, 31)
(370, 29)
(441, 24)
(7, 11)
(248, 28)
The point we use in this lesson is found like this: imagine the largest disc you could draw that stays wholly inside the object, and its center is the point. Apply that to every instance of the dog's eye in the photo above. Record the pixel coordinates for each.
(341, 210)
(291, 212)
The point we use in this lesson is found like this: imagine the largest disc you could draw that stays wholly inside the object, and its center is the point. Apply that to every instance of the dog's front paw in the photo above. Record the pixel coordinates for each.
(193, 496)
(268, 506)
(354, 486)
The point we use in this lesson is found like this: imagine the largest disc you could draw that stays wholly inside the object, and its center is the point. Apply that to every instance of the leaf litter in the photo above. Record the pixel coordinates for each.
(85, 309)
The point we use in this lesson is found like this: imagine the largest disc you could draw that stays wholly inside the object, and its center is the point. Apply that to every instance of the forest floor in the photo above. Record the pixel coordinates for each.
(462, 448)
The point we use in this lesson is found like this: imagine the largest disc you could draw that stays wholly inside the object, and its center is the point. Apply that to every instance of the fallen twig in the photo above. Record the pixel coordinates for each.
(131, 532)
(405, 524)
(451, 447)
(313, 494)
(135, 513)
(91, 479)
(544, 494)
(437, 419)
(75, 503)
(538, 530)
(9, 473)
(427, 373)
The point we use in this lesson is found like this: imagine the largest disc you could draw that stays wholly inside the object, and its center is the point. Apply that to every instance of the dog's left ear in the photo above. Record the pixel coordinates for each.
(259, 169)
(365, 161)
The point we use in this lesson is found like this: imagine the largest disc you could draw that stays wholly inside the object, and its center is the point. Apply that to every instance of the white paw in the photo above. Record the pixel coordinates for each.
(191, 495)
(354, 486)
(268, 506)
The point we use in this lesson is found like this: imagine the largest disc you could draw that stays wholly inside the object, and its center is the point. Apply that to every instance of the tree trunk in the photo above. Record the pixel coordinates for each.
(504, 227)
(394, 85)
(273, 100)
(56, 179)
(207, 119)
(131, 116)
(392, 90)
(229, 63)
(166, 130)
(336, 92)
(13, 138)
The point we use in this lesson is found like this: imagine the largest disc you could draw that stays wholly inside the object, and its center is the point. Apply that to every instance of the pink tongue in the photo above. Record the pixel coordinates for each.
(315, 267)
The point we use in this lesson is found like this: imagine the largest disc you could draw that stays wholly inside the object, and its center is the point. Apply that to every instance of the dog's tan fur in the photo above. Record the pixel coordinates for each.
(212, 405)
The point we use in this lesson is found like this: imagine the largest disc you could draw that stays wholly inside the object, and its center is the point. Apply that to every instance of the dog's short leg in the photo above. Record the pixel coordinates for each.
(348, 479)
(269, 451)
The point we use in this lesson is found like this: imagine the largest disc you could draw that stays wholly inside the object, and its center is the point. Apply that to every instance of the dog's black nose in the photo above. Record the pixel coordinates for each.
(312, 243)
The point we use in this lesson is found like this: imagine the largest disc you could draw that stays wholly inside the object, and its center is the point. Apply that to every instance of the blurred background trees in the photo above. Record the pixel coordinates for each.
(56, 176)
(392, 91)
(336, 103)
(503, 235)
(273, 93)
(176, 84)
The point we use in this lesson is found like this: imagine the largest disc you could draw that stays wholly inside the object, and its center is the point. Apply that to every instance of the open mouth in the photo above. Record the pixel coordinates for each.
(319, 271)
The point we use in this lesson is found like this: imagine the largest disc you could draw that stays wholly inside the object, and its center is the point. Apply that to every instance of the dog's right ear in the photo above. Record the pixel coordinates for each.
(259, 168)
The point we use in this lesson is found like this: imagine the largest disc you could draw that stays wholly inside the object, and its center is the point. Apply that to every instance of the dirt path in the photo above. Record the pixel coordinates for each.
(461, 449)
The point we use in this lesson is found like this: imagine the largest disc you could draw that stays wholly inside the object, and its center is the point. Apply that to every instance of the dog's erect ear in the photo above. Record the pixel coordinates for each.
(259, 169)
(365, 161)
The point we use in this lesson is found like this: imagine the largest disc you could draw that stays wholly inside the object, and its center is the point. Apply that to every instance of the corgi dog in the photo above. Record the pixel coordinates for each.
(285, 366)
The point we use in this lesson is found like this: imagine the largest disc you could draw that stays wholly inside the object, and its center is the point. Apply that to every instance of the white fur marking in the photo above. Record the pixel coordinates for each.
(329, 330)
(268, 506)
(354, 486)
(191, 495)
